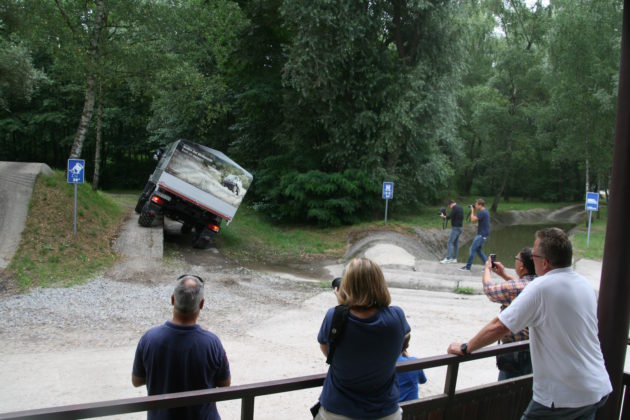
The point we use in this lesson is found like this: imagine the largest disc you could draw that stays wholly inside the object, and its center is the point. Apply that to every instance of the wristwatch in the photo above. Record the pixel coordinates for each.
(464, 348)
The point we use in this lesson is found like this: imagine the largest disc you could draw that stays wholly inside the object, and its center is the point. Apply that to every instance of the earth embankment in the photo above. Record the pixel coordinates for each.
(16, 187)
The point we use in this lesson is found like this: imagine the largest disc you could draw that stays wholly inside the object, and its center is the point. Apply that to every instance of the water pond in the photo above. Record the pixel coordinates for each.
(507, 241)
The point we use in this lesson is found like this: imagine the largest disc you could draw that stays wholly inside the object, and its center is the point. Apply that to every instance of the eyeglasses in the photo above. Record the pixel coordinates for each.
(190, 275)
(538, 256)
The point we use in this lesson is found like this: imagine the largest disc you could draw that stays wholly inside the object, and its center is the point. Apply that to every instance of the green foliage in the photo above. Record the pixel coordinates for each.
(19, 77)
(483, 97)
(464, 290)
(328, 199)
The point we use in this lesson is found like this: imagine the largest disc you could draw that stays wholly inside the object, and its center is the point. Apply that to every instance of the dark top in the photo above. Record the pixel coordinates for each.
(361, 380)
(176, 358)
(456, 216)
(483, 227)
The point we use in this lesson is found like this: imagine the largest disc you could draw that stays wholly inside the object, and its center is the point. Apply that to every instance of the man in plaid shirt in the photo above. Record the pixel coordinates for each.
(519, 363)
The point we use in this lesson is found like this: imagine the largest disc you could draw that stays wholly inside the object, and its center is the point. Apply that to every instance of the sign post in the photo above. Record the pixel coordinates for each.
(388, 193)
(76, 175)
(592, 204)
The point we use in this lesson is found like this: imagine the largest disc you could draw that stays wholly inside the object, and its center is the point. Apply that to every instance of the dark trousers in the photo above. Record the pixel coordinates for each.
(537, 411)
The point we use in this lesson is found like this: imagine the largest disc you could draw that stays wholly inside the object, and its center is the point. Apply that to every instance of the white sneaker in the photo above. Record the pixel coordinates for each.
(453, 261)
(445, 261)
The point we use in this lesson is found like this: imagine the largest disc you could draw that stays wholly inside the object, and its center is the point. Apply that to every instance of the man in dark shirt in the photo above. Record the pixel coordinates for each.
(181, 356)
(456, 216)
(483, 231)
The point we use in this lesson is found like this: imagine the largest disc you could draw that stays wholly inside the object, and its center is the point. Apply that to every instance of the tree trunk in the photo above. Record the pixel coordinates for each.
(86, 116)
(99, 137)
(88, 106)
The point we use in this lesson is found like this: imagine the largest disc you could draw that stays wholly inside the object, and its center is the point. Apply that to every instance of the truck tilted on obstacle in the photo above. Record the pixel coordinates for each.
(195, 185)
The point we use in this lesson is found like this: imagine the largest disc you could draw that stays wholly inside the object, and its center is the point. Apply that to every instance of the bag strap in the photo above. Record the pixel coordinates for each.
(339, 321)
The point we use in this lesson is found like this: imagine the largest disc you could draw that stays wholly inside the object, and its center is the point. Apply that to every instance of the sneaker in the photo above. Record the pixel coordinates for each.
(464, 268)
(445, 261)
(452, 260)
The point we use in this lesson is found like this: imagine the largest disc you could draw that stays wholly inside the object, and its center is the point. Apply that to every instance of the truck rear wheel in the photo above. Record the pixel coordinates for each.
(202, 238)
(146, 216)
(186, 229)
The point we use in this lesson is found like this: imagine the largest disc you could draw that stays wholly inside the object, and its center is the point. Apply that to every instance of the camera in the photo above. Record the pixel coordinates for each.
(442, 211)
(472, 206)
(493, 258)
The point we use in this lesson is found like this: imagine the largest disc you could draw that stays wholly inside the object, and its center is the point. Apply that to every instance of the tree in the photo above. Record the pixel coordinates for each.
(370, 89)
(585, 73)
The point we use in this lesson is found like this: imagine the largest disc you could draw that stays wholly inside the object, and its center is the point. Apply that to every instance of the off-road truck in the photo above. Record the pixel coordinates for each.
(195, 185)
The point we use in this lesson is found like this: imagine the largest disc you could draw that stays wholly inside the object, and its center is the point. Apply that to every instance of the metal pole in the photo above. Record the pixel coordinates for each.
(75, 210)
(386, 200)
(614, 293)
(588, 235)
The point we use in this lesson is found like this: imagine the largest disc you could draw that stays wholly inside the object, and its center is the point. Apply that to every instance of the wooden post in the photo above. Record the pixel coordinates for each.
(614, 292)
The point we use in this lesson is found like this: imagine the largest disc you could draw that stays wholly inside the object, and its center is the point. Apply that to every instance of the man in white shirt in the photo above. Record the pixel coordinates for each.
(560, 309)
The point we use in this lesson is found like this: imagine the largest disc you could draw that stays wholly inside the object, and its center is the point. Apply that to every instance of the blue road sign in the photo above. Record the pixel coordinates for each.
(76, 171)
(592, 201)
(388, 190)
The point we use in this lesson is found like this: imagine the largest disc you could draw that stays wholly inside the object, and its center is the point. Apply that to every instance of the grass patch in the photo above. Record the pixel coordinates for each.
(595, 250)
(464, 290)
(253, 237)
(49, 254)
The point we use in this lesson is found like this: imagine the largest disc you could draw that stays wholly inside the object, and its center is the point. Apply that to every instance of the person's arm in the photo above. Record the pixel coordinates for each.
(225, 382)
(324, 348)
(494, 330)
(137, 380)
(499, 269)
(473, 217)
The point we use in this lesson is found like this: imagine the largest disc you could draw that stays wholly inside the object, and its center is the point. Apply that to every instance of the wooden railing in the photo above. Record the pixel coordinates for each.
(500, 400)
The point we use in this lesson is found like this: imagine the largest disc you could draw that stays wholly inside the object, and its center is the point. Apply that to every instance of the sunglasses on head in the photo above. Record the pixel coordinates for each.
(190, 275)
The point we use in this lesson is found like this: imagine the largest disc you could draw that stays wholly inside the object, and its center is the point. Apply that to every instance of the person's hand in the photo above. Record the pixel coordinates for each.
(455, 348)
(499, 268)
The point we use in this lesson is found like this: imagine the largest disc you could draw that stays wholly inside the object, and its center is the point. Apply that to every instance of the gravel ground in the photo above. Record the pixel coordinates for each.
(105, 312)
(76, 345)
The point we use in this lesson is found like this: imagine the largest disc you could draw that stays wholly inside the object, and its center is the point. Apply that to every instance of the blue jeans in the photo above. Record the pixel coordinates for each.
(538, 411)
(451, 248)
(477, 243)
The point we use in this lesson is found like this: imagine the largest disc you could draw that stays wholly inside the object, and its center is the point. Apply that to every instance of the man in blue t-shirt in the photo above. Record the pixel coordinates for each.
(181, 356)
(483, 231)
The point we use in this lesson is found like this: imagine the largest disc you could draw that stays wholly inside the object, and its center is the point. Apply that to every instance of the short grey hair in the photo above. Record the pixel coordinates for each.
(188, 296)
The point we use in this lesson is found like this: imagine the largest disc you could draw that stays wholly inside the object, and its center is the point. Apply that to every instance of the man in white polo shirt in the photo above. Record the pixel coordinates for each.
(560, 309)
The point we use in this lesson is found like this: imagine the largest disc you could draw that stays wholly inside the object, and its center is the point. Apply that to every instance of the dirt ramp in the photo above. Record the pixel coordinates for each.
(16, 187)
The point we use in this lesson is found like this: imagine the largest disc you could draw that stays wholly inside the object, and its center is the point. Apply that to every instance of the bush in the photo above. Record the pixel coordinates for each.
(329, 199)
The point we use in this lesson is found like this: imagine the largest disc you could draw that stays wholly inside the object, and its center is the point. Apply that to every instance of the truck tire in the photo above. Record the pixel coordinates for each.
(146, 217)
(202, 239)
(146, 193)
(186, 229)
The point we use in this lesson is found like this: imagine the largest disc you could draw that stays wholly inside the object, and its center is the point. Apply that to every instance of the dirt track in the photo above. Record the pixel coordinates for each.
(16, 186)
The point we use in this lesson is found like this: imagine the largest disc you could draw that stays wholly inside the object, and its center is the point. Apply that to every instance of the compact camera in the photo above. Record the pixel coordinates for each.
(493, 259)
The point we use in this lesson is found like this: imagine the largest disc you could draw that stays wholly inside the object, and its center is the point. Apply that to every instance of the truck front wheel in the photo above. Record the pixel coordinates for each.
(146, 193)
(146, 215)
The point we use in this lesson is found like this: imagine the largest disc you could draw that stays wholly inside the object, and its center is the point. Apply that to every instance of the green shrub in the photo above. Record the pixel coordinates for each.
(329, 199)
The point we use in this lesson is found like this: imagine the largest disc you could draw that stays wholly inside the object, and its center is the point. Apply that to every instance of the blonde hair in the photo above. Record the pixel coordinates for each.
(363, 285)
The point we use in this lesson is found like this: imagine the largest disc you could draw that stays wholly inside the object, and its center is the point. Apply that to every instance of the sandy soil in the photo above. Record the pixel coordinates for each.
(76, 345)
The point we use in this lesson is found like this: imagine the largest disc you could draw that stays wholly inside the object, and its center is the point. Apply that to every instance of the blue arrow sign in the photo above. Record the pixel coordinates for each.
(76, 171)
